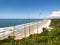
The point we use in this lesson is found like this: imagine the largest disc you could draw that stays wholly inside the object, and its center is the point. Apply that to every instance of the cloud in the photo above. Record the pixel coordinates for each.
(55, 13)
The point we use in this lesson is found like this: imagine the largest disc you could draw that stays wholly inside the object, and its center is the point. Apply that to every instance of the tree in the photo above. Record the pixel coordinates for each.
(45, 31)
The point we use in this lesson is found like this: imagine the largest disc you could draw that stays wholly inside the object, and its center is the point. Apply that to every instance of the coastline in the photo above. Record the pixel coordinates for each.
(33, 27)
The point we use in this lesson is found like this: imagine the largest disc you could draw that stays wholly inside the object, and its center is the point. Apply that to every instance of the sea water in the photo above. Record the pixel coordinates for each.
(14, 22)
(6, 25)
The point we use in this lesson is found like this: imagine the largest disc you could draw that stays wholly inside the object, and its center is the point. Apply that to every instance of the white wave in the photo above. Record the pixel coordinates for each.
(8, 30)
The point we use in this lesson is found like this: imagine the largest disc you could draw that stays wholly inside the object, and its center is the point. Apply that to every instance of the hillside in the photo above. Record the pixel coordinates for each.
(45, 38)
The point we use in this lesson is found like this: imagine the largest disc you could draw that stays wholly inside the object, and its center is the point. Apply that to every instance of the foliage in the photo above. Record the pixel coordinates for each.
(45, 38)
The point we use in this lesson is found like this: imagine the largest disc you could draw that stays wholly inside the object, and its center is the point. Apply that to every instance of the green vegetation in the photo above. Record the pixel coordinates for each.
(45, 38)
(56, 24)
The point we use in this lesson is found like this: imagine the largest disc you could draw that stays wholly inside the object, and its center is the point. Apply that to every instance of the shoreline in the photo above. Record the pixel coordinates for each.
(19, 33)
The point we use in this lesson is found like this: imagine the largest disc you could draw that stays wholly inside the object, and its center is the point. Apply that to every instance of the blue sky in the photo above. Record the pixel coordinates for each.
(28, 8)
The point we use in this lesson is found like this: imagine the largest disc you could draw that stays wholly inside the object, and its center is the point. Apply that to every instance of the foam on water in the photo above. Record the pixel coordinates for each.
(7, 30)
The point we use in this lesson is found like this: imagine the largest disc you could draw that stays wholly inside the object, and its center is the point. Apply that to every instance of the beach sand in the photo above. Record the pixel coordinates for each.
(28, 29)
(34, 29)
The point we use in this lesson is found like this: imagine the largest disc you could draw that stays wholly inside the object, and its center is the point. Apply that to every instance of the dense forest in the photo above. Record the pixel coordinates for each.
(45, 38)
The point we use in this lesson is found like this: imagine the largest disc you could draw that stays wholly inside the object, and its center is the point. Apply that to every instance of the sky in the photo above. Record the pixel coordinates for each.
(28, 8)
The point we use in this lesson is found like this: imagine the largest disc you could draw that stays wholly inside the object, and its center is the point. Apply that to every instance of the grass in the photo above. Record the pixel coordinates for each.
(45, 38)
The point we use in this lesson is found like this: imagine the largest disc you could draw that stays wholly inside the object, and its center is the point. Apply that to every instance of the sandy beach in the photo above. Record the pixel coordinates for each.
(22, 31)
(34, 29)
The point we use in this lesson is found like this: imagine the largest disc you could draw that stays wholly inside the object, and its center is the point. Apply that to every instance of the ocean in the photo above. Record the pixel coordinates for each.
(18, 26)
(14, 22)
